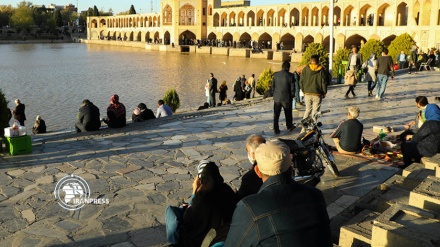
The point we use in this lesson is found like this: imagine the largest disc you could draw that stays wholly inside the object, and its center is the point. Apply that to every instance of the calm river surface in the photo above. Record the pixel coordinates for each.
(53, 79)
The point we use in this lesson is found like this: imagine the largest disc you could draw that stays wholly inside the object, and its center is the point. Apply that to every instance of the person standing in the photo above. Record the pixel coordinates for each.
(283, 89)
(212, 89)
(384, 67)
(413, 59)
(370, 75)
(238, 95)
(253, 84)
(313, 83)
(223, 96)
(354, 64)
(207, 91)
(19, 112)
(401, 59)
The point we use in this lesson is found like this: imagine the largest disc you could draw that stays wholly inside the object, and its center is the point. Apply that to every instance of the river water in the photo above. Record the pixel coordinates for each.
(53, 79)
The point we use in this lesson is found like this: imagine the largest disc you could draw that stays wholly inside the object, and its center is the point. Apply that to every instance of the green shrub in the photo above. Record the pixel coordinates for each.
(402, 42)
(315, 49)
(171, 99)
(265, 81)
(341, 55)
(5, 113)
(372, 45)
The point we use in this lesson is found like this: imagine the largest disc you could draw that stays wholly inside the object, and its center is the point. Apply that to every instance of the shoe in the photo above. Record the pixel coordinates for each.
(277, 132)
(354, 95)
(409, 73)
(295, 109)
(370, 94)
(346, 96)
(377, 96)
(415, 72)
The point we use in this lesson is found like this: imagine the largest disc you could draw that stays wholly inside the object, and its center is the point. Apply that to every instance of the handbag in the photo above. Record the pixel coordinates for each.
(365, 67)
(350, 78)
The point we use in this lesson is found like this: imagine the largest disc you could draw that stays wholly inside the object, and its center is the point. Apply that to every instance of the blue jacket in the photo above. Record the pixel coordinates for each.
(283, 213)
(432, 112)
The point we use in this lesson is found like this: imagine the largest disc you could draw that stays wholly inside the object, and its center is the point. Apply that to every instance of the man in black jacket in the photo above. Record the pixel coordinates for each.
(212, 89)
(19, 113)
(88, 117)
(283, 90)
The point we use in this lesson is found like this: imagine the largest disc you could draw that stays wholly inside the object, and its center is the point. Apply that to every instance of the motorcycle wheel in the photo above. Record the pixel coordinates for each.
(329, 164)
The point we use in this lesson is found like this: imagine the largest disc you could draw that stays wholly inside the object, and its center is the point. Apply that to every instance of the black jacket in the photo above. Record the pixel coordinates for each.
(208, 210)
(283, 86)
(213, 86)
(250, 184)
(19, 112)
(89, 116)
(428, 138)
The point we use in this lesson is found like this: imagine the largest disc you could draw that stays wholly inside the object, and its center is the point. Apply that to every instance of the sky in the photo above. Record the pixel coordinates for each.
(141, 6)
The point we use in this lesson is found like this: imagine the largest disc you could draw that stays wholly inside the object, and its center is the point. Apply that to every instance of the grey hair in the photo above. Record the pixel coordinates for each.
(253, 141)
(17, 100)
(354, 111)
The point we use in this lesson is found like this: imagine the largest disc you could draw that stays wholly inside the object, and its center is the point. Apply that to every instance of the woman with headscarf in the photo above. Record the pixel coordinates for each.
(115, 113)
(370, 74)
(211, 207)
(426, 142)
(223, 97)
(39, 126)
(238, 90)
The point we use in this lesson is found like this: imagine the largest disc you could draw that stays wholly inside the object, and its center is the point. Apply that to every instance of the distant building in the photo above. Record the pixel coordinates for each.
(294, 24)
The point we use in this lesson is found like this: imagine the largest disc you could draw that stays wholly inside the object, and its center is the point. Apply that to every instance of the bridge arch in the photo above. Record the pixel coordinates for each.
(356, 40)
(288, 41)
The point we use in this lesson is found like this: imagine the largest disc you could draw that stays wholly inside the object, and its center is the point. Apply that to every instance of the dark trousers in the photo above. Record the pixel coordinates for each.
(409, 152)
(287, 106)
(401, 64)
(371, 85)
(80, 127)
(350, 89)
(212, 100)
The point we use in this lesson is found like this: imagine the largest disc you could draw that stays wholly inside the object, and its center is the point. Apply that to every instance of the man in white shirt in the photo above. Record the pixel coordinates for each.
(163, 110)
(401, 59)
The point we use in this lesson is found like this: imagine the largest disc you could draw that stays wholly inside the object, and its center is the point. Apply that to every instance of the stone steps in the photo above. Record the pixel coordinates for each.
(402, 211)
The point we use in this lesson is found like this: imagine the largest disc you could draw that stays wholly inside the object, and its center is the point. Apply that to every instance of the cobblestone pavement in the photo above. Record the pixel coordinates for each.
(147, 166)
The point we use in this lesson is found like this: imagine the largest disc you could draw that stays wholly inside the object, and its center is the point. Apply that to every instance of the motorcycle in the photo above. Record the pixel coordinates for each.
(310, 153)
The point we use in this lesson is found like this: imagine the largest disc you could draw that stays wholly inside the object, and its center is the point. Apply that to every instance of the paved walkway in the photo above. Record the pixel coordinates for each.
(146, 166)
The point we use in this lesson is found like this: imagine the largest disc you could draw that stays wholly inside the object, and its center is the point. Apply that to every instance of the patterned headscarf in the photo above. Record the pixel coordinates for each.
(114, 100)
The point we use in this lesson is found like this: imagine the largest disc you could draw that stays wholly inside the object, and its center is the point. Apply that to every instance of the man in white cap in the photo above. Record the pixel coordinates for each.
(283, 212)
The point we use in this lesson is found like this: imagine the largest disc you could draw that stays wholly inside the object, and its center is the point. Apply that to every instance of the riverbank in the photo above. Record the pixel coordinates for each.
(147, 166)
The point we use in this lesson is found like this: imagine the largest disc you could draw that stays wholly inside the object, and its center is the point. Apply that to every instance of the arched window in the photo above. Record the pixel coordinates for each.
(167, 15)
(187, 15)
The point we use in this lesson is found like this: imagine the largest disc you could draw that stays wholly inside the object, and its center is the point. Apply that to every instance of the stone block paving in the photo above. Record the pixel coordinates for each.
(145, 167)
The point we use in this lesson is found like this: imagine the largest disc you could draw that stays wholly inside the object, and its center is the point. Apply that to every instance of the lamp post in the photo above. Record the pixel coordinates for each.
(332, 6)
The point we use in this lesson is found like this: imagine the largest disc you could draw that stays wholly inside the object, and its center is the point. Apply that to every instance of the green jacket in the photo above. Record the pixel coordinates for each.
(313, 81)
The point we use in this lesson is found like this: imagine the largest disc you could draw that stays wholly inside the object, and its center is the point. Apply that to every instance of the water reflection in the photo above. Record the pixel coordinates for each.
(53, 79)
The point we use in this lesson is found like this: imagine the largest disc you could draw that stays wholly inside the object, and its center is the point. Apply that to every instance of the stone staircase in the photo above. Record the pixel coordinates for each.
(403, 211)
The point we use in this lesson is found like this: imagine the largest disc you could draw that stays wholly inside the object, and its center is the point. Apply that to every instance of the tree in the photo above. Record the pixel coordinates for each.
(58, 18)
(372, 45)
(6, 12)
(95, 11)
(5, 113)
(402, 42)
(265, 81)
(315, 49)
(341, 55)
(132, 11)
(22, 18)
(171, 99)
